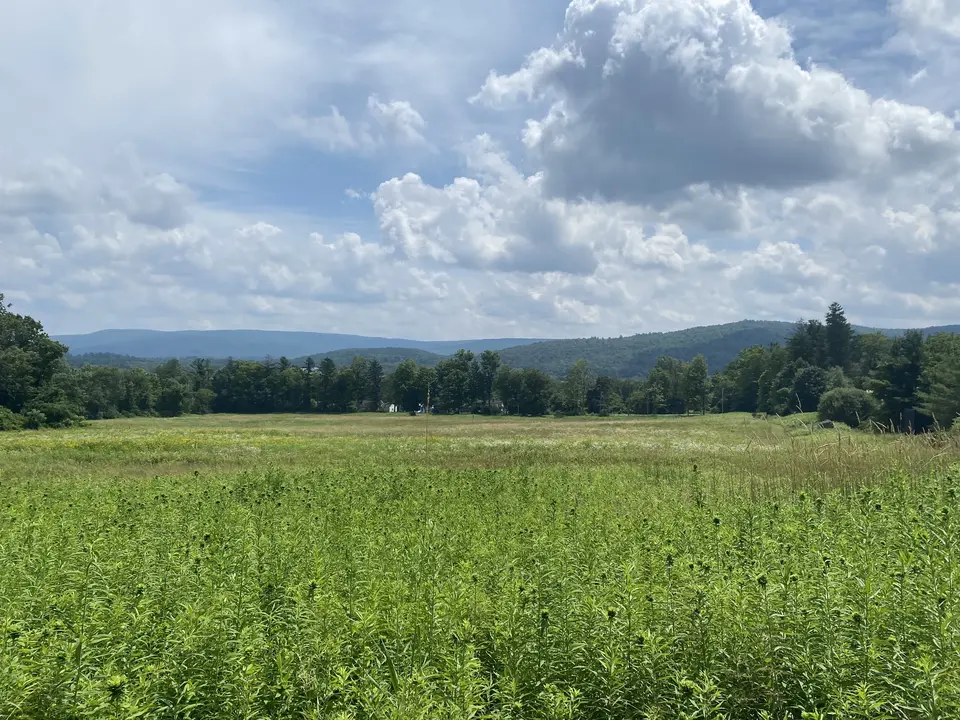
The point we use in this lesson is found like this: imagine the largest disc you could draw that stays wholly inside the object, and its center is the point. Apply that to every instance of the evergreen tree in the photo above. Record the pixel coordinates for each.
(897, 383)
(940, 379)
(839, 338)
(809, 343)
(324, 380)
(868, 351)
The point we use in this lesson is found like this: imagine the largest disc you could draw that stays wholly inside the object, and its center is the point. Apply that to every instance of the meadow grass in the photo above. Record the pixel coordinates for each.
(403, 567)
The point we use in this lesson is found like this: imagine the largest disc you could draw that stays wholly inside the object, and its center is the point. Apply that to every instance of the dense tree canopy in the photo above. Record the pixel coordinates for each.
(907, 383)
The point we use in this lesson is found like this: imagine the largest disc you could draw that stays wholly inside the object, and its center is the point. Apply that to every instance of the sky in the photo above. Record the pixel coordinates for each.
(444, 169)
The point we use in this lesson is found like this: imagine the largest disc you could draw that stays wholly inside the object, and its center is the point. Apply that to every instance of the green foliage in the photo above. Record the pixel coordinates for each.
(696, 384)
(910, 377)
(637, 355)
(34, 419)
(408, 387)
(742, 378)
(9, 420)
(296, 567)
(574, 389)
(836, 378)
(455, 384)
(940, 379)
(388, 357)
(54, 414)
(848, 405)
(896, 381)
(665, 383)
(809, 384)
(808, 343)
(28, 358)
(484, 374)
(524, 392)
(838, 338)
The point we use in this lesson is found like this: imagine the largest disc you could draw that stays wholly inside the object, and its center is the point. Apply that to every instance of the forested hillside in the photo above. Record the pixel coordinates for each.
(632, 356)
(389, 357)
(636, 356)
(909, 381)
(256, 344)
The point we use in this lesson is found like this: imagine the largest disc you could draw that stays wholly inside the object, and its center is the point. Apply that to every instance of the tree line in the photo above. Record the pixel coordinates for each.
(823, 366)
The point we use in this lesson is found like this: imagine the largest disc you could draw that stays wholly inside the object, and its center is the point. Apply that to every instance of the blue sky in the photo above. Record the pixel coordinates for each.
(453, 169)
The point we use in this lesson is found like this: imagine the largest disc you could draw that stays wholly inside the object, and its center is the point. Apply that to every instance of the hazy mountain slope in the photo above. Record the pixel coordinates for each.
(254, 344)
(624, 356)
(388, 357)
(635, 355)
(111, 360)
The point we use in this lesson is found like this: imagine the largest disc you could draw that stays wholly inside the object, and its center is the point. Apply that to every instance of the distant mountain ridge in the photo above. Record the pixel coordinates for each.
(635, 356)
(630, 356)
(256, 344)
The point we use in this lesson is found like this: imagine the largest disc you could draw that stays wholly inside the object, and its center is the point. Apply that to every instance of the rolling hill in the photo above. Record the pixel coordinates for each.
(388, 357)
(624, 356)
(255, 344)
(636, 355)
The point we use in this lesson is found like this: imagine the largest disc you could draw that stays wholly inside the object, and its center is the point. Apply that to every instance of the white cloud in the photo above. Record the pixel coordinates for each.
(668, 248)
(500, 221)
(177, 79)
(649, 98)
(391, 124)
(936, 17)
(400, 123)
(331, 133)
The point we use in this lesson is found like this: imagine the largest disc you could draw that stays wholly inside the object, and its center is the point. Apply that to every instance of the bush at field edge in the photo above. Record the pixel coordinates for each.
(847, 405)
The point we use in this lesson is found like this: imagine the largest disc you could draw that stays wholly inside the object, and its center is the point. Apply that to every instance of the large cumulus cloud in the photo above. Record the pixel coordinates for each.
(648, 98)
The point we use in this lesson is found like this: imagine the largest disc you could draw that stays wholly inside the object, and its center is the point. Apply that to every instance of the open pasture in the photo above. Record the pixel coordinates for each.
(387, 566)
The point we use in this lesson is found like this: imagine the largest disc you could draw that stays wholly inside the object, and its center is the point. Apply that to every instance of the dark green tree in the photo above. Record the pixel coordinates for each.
(28, 358)
(869, 351)
(897, 380)
(359, 379)
(940, 379)
(375, 383)
(323, 383)
(604, 397)
(839, 338)
(573, 390)
(809, 343)
(484, 370)
(454, 386)
(696, 379)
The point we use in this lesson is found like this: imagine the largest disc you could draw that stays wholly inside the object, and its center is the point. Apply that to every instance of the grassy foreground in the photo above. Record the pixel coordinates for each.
(380, 567)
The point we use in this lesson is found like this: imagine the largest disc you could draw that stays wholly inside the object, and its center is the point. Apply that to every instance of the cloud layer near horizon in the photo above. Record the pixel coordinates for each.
(644, 165)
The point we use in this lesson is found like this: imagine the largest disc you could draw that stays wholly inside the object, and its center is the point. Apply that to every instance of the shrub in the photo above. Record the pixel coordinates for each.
(9, 420)
(847, 405)
(53, 415)
(34, 419)
(61, 415)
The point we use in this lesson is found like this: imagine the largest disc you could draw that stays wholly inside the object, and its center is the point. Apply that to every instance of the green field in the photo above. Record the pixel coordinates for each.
(403, 567)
